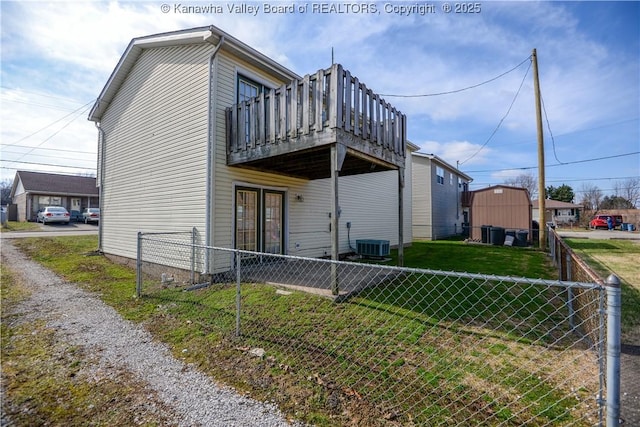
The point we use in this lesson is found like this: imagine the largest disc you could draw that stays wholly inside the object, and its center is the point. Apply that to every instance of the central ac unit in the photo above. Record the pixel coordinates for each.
(374, 248)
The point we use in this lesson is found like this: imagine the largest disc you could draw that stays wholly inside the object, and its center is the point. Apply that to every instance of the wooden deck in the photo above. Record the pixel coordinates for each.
(290, 130)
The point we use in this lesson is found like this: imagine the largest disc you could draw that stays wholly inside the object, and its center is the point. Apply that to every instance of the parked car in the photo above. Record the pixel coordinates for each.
(91, 215)
(51, 214)
(600, 221)
(76, 216)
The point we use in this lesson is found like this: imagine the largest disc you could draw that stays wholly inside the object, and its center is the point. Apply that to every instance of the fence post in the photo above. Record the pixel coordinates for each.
(568, 268)
(139, 266)
(614, 307)
(192, 274)
(559, 259)
(238, 275)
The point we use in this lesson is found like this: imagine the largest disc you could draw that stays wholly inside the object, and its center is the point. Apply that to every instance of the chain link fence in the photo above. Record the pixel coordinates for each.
(362, 343)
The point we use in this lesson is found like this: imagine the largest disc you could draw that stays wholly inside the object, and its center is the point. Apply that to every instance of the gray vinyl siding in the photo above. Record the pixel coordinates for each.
(156, 138)
(446, 214)
(437, 211)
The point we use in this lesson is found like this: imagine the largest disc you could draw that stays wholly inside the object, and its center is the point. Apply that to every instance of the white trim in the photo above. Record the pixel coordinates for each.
(245, 72)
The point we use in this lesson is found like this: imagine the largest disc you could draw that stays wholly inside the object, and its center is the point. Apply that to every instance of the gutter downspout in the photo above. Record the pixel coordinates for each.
(102, 142)
(211, 155)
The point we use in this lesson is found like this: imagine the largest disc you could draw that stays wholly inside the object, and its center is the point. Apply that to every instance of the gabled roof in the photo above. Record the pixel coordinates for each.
(55, 184)
(200, 35)
(493, 187)
(437, 159)
(557, 204)
(501, 187)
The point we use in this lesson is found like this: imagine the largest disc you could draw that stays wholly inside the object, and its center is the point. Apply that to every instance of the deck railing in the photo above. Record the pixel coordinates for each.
(329, 99)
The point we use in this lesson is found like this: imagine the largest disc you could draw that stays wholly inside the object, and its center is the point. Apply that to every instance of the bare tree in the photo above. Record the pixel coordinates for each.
(5, 191)
(629, 189)
(591, 197)
(525, 180)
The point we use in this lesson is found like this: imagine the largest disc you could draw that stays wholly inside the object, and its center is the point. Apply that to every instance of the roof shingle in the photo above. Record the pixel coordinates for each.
(51, 183)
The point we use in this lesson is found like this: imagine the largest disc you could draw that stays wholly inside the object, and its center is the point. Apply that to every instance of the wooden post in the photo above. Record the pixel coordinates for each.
(400, 217)
(335, 243)
(541, 183)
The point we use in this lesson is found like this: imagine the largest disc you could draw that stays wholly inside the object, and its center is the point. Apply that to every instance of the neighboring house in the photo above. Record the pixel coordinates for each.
(557, 212)
(500, 206)
(438, 190)
(34, 190)
(197, 129)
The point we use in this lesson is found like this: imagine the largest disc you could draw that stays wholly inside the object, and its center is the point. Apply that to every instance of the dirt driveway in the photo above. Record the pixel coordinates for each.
(599, 234)
(177, 393)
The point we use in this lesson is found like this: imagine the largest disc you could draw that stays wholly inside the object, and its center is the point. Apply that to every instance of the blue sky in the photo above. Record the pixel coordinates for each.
(57, 56)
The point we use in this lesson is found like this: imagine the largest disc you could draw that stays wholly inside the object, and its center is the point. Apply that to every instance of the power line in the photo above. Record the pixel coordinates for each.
(570, 180)
(458, 90)
(49, 149)
(53, 123)
(33, 170)
(40, 94)
(36, 104)
(553, 141)
(42, 164)
(563, 164)
(56, 132)
(501, 120)
(49, 157)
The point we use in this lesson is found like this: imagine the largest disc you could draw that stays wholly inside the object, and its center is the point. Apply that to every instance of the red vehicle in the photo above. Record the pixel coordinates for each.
(600, 221)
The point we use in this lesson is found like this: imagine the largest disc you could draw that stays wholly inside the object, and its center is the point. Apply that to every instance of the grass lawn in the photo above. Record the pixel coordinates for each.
(418, 350)
(456, 255)
(19, 226)
(619, 257)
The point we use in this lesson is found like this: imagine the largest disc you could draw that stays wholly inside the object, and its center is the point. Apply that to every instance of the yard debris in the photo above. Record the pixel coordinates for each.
(351, 392)
(317, 379)
(257, 352)
(284, 367)
(390, 416)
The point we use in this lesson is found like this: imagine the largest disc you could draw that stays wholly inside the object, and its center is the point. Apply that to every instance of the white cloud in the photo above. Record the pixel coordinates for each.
(69, 49)
(453, 152)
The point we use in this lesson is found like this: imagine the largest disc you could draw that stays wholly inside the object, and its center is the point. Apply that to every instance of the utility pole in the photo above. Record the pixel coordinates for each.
(541, 184)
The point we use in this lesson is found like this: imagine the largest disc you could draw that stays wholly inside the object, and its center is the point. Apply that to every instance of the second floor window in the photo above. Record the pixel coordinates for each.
(247, 88)
(440, 175)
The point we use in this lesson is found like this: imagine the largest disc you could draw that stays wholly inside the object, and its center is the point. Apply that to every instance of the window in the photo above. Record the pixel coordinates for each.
(440, 175)
(49, 201)
(450, 179)
(247, 88)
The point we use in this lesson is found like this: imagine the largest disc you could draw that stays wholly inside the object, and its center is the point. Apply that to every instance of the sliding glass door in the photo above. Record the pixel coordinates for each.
(259, 220)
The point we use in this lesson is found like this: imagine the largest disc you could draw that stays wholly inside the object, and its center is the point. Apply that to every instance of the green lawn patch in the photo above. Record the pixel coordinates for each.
(417, 349)
(19, 226)
(619, 257)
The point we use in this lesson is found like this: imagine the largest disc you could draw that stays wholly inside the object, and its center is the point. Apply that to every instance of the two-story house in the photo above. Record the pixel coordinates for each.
(198, 129)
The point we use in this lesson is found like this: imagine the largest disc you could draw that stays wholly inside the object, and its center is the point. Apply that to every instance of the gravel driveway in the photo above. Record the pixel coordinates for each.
(113, 343)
